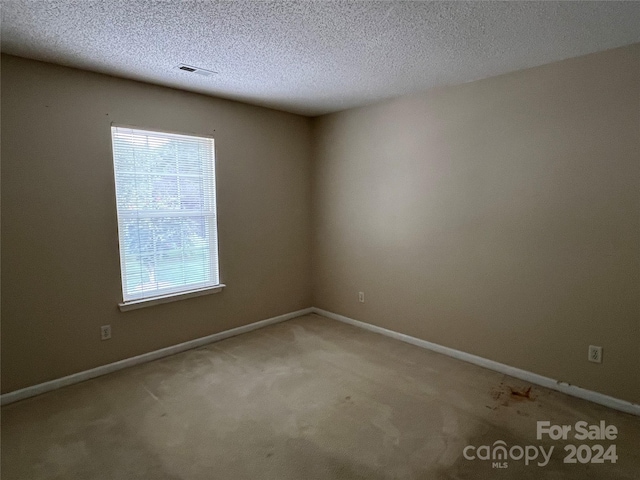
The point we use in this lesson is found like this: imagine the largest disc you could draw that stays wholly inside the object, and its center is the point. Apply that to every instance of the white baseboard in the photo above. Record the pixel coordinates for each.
(530, 377)
(145, 357)
(525, 375)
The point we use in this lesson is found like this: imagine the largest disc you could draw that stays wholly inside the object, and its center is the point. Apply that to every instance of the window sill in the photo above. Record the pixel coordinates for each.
(174, 297)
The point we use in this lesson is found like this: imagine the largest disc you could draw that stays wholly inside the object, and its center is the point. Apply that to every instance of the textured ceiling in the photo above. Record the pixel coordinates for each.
(312, 57)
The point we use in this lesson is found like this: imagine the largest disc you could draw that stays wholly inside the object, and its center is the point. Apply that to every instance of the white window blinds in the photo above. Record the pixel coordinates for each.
(166, 201)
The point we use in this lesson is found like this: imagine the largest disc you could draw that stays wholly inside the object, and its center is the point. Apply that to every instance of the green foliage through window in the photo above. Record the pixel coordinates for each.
(165, 191)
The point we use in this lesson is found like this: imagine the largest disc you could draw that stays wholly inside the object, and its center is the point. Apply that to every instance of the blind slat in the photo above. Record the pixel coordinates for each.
(165, 195)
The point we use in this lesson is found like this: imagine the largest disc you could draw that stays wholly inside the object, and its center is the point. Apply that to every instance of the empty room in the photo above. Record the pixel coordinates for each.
(320, 240)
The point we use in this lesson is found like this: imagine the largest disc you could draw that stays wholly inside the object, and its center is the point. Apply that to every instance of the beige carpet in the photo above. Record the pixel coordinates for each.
(310, 398)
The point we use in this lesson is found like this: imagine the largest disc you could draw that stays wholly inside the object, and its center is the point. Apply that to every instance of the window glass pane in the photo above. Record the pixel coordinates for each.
(165, 189)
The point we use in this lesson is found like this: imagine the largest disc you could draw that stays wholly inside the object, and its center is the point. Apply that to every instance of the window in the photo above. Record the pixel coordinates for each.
(166, 201)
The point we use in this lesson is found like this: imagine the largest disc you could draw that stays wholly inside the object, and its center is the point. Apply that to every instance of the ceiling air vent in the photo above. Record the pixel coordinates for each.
(196, 70)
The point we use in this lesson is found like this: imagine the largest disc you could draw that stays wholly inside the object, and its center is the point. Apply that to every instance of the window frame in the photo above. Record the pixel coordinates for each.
(167, 294)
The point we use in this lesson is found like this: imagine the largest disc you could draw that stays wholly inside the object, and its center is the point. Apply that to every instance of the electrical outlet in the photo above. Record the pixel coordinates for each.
(105, 332)
(595, 354)
(361, 297)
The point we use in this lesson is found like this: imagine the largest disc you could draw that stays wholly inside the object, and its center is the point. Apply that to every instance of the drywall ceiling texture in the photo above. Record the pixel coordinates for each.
(500, 218)
(312, 57)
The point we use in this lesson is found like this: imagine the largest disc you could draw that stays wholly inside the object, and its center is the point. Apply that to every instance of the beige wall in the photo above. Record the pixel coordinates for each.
(500, 217)
(60, 263)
